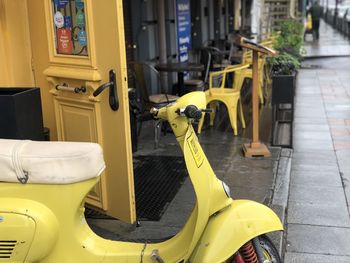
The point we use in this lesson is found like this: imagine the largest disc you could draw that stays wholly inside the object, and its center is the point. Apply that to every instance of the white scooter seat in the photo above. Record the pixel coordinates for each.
(49, 162)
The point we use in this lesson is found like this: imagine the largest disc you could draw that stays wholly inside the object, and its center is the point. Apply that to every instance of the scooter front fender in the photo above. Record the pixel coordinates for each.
(228, 230)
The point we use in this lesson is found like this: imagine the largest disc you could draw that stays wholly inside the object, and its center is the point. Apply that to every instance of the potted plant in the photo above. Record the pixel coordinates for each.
(283, 68)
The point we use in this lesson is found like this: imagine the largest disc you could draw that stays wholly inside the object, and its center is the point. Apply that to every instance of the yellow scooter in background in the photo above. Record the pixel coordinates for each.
(42, 191)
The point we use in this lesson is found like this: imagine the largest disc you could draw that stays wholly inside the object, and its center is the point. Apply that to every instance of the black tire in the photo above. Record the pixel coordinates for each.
(269, 249)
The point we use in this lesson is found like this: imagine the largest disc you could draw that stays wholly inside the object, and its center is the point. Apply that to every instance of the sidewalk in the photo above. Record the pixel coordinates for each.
(331, 43)
(318, 224)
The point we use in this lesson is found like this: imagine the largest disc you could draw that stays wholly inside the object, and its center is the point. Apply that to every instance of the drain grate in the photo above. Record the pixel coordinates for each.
(157, 180)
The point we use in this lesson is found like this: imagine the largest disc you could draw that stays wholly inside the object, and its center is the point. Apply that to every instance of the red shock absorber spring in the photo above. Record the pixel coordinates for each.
(248, 253)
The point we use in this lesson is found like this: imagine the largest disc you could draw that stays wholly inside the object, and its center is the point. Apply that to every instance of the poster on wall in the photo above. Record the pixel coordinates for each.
(183, 28)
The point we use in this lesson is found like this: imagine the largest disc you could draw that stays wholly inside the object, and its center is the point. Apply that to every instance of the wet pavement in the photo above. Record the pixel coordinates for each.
(331, 43)
(318, 223)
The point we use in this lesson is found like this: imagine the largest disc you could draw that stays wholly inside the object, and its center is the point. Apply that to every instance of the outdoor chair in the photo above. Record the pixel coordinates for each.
(218, 58)
(199, 82)
(149, 99)
(229, 95)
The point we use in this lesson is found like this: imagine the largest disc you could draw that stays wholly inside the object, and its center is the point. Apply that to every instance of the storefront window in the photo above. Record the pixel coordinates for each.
(70, 27)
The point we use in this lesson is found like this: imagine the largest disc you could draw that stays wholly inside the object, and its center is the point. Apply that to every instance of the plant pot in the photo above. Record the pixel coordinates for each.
(21, 114)
(283, 88)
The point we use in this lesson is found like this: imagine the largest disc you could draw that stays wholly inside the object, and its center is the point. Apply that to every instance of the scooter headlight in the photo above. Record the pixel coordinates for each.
(226, 189)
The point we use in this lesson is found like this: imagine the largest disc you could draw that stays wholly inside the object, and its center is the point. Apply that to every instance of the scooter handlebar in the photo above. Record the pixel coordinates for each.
(192, 112)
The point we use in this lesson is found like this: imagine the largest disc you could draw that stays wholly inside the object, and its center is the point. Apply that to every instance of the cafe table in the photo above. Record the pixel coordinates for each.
(180, 68)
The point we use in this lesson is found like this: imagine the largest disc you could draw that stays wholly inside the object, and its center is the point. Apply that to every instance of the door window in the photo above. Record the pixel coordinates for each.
(70, 27)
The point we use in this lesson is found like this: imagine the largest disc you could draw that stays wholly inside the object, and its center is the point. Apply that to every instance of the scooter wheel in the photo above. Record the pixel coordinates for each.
(269, 249)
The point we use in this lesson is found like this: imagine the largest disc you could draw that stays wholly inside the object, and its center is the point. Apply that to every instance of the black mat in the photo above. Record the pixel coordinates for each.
(157, 180)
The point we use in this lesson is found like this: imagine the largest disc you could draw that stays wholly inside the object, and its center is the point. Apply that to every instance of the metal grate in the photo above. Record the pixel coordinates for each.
(6, 248)
(157, 180)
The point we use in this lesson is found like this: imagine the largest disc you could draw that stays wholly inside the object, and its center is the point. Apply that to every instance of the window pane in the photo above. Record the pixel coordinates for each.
(70, 27)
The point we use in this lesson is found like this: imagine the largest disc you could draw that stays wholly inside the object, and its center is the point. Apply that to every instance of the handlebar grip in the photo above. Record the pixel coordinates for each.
(193, 112)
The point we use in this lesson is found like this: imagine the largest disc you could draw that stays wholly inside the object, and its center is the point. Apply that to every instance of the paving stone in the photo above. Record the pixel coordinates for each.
(332, 168)
(317, 194)
(315, 158)
(316, 178)
(307, 145)
(304, 120)
(334, 214)
(312, 258)
(318, 240)
(311, 127)
(313, 135)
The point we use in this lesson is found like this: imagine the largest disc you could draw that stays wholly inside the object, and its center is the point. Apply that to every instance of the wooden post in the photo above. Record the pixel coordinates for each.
(255, 148)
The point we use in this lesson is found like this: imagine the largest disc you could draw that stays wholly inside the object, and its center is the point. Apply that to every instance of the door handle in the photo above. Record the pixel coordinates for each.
(112, 85)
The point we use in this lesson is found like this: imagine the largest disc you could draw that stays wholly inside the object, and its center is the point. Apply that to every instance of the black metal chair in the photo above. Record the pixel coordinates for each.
(143, 72)
(199, 82)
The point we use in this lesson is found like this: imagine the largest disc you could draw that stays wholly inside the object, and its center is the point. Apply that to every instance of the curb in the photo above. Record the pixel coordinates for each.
(279, 202)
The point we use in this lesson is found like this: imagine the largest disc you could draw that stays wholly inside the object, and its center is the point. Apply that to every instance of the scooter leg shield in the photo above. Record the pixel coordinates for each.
(228, 230)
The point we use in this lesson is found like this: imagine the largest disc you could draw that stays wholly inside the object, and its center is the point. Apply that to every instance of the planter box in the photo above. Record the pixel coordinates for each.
(21, 114)
(283, 90)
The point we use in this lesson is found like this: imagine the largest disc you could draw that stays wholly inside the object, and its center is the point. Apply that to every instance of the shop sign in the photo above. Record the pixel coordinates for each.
(64, 41)
(183, 27)
(58, 19)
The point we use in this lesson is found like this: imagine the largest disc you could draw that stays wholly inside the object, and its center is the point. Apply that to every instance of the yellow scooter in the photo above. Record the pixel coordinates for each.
(42, 191)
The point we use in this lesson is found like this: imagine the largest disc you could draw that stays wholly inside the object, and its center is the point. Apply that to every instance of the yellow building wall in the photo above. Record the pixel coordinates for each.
(15, 48)
(24, 52)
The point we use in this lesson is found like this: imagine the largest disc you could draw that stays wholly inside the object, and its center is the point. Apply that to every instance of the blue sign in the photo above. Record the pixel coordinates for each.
(62, 3)
(183, 19)
(67, 22)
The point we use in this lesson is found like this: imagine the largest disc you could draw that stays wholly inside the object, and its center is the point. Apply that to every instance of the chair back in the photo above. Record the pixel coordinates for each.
(140, 69)
(140, 82)
(222, 74)
(205, 58)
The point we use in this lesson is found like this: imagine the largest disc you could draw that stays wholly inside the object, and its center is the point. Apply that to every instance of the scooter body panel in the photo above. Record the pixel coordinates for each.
(16, 236)
(59, 232)
(32, 225)
(227, 231)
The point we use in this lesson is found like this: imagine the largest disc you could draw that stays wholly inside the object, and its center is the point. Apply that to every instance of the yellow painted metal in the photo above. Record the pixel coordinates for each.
(71, 239)
(83, 117)
(16, 235)
(236, 225)
(15, 46)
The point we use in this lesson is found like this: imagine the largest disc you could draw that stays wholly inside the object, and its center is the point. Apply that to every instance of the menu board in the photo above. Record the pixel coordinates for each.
(70, 27)
(183, 28)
